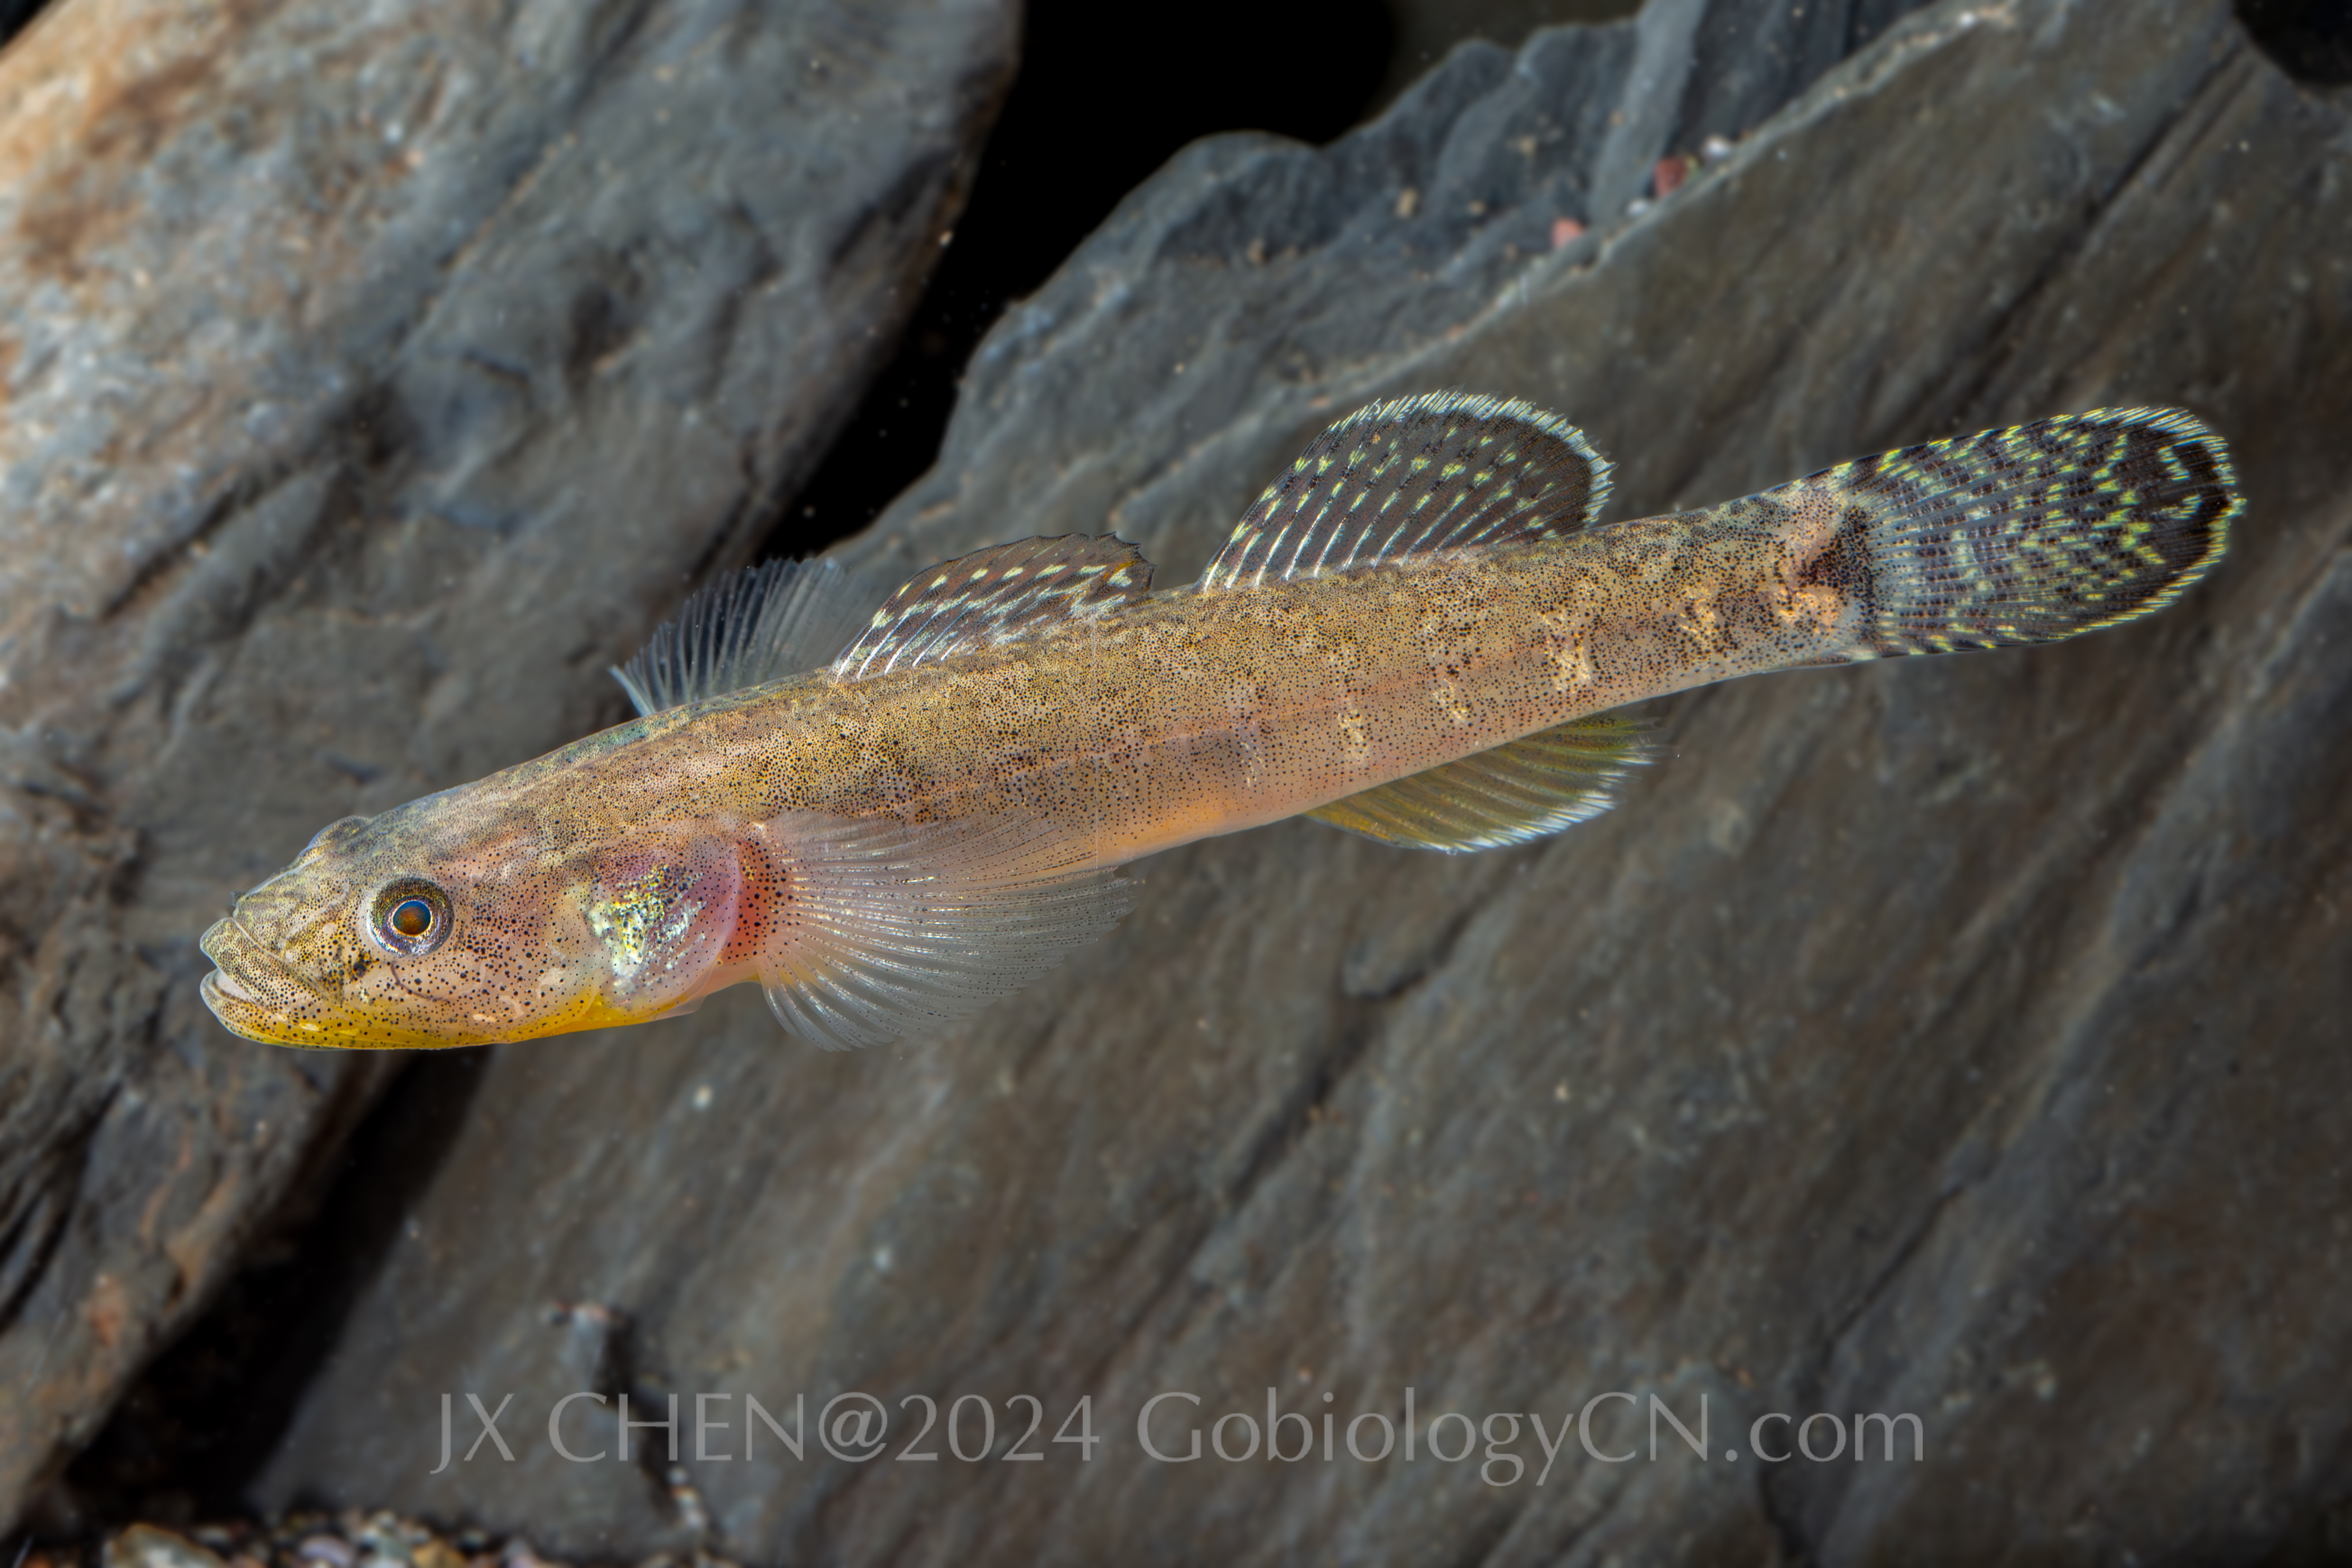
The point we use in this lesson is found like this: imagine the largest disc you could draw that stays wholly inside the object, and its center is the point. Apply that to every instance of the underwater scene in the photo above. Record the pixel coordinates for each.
(1524, 781)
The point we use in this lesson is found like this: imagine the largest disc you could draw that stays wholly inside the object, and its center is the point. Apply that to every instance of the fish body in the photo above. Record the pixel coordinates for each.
(1418, 634)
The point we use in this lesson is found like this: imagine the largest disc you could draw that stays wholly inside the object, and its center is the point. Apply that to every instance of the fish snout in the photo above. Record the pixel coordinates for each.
(254, 995)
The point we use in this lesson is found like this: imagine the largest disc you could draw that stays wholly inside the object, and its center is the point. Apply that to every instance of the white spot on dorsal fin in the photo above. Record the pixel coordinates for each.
(994, 594)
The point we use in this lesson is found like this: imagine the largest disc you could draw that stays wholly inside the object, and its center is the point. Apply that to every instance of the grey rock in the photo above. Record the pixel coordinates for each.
(372, 378)
(1423, 31)
(1954, 1037)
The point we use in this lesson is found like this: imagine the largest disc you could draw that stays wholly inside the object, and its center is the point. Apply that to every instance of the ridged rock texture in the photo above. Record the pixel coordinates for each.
(373, 376)
(1956, 1037)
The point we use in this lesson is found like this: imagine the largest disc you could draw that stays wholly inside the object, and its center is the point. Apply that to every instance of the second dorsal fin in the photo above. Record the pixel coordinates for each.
(1441, 471)
(995, 593)
(1528, 788)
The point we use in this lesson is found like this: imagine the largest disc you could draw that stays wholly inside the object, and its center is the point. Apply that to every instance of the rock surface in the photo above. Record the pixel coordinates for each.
(373, 376)
(1953, 1037)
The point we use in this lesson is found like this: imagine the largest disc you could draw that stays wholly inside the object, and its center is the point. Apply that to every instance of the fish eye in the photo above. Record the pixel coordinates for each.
(410, 917)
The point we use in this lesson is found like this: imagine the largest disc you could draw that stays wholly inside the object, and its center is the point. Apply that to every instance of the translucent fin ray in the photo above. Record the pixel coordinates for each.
(1444, 471)
(894, 926)
(979, 600)
(750, 628)
(1530, 788)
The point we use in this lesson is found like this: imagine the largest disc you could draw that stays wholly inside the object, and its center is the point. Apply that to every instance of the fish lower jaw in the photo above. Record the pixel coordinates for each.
(239, 997)
(221, 984)
(241, 1012)
(252, 997)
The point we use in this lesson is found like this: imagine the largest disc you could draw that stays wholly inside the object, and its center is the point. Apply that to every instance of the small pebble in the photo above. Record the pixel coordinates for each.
(693, 1514)
(328, 1549)
(147, 1546)
(354, 1540)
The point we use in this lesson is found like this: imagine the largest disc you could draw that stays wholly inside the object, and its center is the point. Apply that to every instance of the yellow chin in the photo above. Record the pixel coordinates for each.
(320, 1027)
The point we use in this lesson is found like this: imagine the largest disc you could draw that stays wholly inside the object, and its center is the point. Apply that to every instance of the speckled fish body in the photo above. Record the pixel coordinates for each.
(1416, 634)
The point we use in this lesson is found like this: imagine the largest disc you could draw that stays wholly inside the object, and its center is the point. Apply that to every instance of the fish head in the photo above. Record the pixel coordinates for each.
(455, 921)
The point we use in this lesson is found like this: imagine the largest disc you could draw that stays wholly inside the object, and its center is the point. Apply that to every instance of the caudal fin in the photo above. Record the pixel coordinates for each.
(2038, 531)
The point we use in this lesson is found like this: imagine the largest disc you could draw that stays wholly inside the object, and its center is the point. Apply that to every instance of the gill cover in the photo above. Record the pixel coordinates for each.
(662, 916)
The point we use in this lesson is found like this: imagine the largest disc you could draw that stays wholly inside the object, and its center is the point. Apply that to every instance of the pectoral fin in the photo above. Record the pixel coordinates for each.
(887, 926)
(1531, 788)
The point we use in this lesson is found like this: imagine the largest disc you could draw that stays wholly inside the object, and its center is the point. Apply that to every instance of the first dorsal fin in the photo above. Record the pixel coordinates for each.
(748, 627)
(1528, 788)
(984, 598)
(1441, 471)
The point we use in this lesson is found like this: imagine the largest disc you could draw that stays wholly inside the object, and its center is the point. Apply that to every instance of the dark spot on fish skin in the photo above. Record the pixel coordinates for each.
(1843, 563)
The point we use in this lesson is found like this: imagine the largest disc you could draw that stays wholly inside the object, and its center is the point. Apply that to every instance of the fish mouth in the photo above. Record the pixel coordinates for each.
(240, 1012)
(253, 995)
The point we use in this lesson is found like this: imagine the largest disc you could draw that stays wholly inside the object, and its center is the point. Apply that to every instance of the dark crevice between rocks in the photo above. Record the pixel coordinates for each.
(200, 1423)
(1359, 1019)
(14, 14)
(30, 1236)
(1358, 1023)
(1777, 1486)
(2311, 40)
(609, 1337)
(1085, 123)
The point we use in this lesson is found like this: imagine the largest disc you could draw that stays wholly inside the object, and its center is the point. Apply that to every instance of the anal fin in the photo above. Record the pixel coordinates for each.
(1529, 788)
(890, 926)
